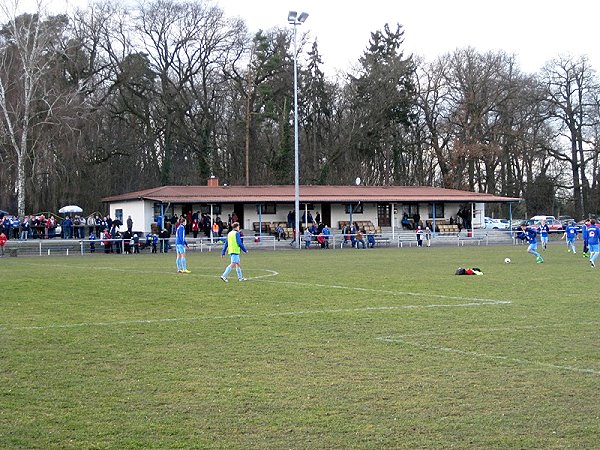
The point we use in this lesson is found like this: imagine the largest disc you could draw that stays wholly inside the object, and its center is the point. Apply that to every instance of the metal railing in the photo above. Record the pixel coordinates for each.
(335, 241)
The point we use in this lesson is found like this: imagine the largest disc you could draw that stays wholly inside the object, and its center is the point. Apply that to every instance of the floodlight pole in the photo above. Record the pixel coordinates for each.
(295, 20)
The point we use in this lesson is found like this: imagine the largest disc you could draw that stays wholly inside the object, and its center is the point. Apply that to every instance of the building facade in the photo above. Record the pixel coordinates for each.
(384, 206)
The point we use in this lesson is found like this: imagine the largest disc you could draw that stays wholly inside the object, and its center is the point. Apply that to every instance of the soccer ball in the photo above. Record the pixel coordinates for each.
(507, 260)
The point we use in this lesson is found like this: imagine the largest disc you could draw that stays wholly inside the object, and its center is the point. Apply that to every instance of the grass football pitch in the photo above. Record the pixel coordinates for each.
(346, 349)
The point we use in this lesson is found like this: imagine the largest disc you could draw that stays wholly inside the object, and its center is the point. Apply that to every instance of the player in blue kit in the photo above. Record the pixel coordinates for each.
(593, 233)
(570, 236)
(584, 237)
(530, 234)
(544, 234)
(181, 246)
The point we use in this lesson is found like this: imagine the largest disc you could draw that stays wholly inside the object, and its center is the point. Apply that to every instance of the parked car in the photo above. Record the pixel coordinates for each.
(543, 217)
(553, 224)
(565, 220)
(496, 224)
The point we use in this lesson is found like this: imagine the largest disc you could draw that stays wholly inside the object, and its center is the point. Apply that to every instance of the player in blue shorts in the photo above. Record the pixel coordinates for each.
(570, 236)
(584, 237)
(181, 246)
(530, 234)
(593, 233)
(544, 234)
(234, 245)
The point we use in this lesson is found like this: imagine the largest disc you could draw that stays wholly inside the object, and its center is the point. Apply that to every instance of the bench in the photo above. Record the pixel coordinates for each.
(366, 225)
(265, 227)
(462, 240)
(448, 229)
(381, 241)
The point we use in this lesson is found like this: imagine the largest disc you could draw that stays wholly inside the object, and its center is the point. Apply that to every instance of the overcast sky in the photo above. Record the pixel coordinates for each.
(534, 30)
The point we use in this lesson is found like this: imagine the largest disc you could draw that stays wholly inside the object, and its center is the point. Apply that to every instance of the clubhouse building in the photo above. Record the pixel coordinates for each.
(386, 207)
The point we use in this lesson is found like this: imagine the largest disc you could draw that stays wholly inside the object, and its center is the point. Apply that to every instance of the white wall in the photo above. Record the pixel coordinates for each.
(141, 212)
(339, 214)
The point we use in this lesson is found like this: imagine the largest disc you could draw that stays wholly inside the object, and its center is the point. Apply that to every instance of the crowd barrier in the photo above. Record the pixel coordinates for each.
(52, 247)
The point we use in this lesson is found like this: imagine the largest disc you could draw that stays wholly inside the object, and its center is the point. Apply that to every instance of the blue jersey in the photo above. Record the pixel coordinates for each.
(180, 235)
(571, 232)
(544, 230)
(584, 233)
(530, 235)
(593, 234)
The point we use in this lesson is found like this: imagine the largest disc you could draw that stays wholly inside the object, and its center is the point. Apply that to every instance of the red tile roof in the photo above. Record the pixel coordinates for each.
(308, 194)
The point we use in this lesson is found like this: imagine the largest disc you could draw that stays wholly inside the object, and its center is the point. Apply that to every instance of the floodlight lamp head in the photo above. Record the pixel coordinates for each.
(292, 16)
(302, 18)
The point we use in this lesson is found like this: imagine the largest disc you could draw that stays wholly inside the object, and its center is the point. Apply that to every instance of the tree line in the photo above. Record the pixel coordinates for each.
(112, 99)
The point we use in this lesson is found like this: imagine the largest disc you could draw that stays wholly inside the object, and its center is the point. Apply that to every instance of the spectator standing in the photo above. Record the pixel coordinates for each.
(129, 224)
(92, 242)
(173, 224)
(107, 241)
(419, 233)
(195, 228)
(326, 232)
(428, 236)
(136, 243)
(76, 227)
(353, 230)
(91, 223)
(25, 228)
(7, 221)
(98, 225)
(2, 242)
(67, 225)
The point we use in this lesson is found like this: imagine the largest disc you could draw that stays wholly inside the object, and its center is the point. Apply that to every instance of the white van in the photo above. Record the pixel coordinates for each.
(540, 218)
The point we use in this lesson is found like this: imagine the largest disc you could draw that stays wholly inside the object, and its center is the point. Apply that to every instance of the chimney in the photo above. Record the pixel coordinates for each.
(213, 181)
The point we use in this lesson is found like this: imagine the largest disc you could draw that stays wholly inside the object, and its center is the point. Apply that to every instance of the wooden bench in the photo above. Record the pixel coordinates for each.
(265, 227)
(448, 229)
(366, 225)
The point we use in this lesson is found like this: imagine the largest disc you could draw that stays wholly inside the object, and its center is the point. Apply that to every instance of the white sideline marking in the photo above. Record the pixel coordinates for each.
(250, 316)
(521, 361)
(492, 329)
(397, 293)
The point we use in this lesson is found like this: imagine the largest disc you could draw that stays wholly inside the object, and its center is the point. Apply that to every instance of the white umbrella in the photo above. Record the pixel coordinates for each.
(70, 209)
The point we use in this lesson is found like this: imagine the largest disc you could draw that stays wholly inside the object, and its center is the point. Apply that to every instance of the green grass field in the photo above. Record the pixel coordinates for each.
(336, 349)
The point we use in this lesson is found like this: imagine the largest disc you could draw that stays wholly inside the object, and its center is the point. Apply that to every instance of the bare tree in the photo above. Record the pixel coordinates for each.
(23, 65)
(571, 90)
